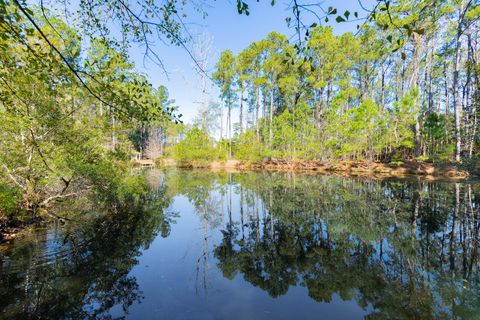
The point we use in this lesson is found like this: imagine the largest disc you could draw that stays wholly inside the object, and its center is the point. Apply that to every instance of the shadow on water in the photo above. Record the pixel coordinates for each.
(401, 249)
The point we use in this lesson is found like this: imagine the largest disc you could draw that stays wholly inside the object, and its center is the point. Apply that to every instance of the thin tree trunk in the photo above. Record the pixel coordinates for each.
(456, 98)
(414, 84)
(257, 107)
(229, 129)
(241, 110)
(270, 134)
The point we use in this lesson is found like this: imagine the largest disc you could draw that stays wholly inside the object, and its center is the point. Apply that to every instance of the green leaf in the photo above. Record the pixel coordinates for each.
(331, 10)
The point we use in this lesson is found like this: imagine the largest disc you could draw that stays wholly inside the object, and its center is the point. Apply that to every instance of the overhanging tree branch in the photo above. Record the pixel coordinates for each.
(62, 57)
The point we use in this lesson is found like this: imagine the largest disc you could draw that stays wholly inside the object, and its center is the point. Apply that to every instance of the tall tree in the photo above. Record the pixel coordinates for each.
(224, 77)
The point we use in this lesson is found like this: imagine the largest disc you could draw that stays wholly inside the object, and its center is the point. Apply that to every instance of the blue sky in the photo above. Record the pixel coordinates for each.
(229, 30)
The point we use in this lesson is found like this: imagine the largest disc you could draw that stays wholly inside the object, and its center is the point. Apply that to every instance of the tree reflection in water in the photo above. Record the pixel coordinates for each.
(84, 270)
(408, 249)
(399, 248)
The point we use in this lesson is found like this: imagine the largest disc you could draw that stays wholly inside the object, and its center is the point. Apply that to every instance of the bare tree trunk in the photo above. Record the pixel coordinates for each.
(204, 100)
(241, 110)
(229, 129)
(257, 107)
(456, 102)
(264, 111)
(270, 134)
(382, 96)
(445, 82)
(221, 122)
(456, 95)
(414, 84)
(114, 137)
(202, 49)
(430, 75)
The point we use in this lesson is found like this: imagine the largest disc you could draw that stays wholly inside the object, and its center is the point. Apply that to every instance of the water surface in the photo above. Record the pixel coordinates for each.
(257, 245)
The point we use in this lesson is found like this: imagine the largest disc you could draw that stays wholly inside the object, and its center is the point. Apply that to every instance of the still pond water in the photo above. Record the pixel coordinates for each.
(257, 246)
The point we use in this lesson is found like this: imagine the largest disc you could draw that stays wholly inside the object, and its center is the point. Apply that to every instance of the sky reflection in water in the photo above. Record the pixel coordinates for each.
(258, 246)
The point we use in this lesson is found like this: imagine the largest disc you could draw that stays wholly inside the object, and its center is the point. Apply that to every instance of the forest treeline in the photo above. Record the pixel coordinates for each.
(375, 94)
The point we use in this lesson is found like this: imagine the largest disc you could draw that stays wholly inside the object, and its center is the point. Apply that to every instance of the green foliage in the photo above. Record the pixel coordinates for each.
(246, 148)
(196, 149)
(293, 135)
(224, 75)
(403, 122)
(403, 84)
(132, 188)
(222, 147)
(436, 137)
(10, 197)
(73, 111)
(321, 102)
(434, 126)
(359, 132)
(64, 135)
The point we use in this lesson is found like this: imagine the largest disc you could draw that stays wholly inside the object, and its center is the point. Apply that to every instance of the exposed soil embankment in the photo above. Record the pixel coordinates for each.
(352, 167)
(426, 169)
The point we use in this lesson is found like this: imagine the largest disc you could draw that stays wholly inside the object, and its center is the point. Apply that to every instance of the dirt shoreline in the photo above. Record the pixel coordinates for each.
(425, 169)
